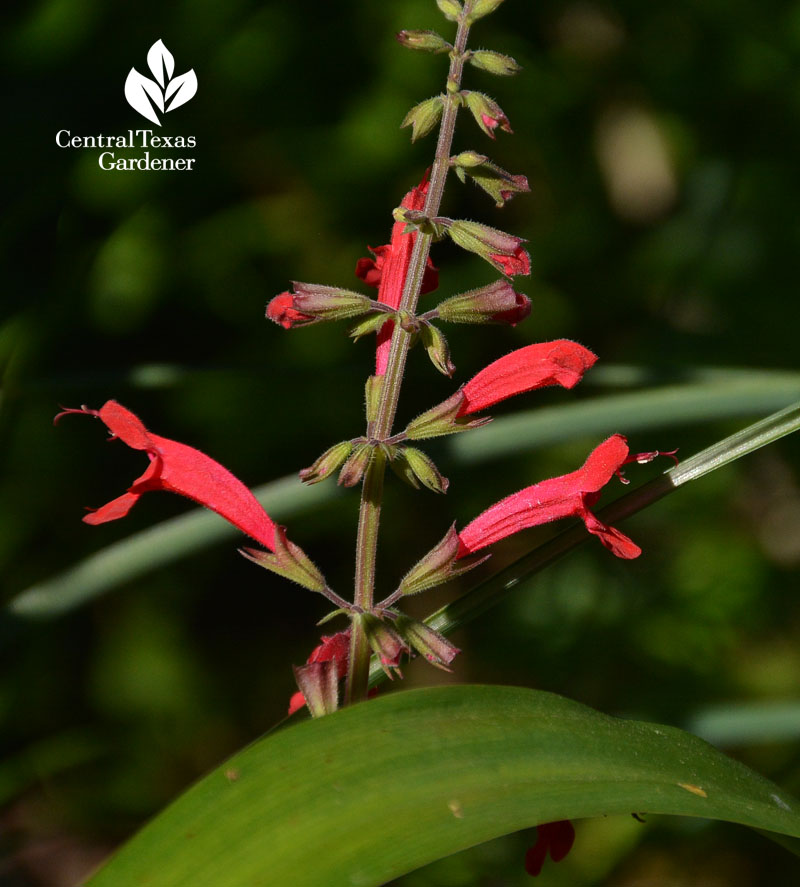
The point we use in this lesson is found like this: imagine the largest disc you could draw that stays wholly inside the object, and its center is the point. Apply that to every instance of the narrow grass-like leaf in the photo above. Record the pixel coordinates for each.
(447, 768)
(715, 395)
(156, 546)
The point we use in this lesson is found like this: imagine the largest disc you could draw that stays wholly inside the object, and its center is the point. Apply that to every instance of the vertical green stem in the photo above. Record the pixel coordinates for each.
(372, 488)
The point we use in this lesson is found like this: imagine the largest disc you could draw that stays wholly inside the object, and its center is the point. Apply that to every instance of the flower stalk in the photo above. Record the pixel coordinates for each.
(381, 427)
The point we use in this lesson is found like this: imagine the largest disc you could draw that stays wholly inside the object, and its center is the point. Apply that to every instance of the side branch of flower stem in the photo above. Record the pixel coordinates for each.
(372, 488)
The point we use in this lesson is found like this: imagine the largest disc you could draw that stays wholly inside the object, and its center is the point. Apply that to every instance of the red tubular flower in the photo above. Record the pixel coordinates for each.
(334, 648)
(389, 269)
(178, 468)
(535, 366)
(570, 495)
(555, 838)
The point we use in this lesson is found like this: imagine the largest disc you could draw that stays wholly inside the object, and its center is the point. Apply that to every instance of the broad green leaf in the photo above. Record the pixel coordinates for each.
(373, 791)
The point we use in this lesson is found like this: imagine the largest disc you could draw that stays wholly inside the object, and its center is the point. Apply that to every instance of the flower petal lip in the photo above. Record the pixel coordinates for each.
(178, 468)
(281, 310)
(560, 362)
(570, 495)
(389, 269)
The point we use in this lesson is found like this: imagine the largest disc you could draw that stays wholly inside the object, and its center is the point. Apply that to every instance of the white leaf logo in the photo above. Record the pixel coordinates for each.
(163, 94)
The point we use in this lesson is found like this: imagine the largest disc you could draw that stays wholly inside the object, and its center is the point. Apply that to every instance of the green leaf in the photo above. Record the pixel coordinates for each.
(158, 545)
(371, 792)
(713, 394)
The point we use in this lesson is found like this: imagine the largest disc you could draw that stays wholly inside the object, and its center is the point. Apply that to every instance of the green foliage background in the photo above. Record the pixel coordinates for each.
(150, 288)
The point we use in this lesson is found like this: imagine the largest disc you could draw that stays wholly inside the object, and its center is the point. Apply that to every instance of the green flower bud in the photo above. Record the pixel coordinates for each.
(327, 463)
(494, 62)
(487, 113)
(450, 8)
(427, 642)
(468, 159)
(422, 118)
(425, 41)
(436, 347)
(424, 470)
(385, 642)
(481, 8)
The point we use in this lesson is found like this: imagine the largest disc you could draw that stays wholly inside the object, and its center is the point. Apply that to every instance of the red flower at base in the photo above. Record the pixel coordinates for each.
(555, 838)
(334, 648)
(389, 269)
(570, 495)
(178, 468)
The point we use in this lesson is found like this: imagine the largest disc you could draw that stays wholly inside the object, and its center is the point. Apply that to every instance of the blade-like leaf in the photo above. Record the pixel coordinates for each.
(160, 61)
(182, 89)
(137, 90)
(714, 395)
(371, 792)
(158, 545)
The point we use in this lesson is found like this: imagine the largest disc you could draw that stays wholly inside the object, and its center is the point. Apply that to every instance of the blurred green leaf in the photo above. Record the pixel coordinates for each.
(723, 395)
(447, 768)
(156, 546)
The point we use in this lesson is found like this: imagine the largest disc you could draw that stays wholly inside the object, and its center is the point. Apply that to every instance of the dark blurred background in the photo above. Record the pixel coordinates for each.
(661, 145)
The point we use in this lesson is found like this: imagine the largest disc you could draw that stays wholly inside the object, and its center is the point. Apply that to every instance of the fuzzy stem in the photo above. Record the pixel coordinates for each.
(372, 489)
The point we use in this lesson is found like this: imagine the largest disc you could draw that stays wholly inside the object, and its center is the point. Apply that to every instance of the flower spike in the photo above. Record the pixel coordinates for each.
(178, 468)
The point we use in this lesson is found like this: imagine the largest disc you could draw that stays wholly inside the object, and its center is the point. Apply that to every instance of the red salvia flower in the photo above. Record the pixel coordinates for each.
(535, 366)
(334, 648)
(555, 838)
(389, 268)
(570, 495)
(178, 468)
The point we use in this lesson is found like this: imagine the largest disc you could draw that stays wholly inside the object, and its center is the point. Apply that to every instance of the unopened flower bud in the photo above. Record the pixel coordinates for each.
(356, 464)
(425, 41)
(385, 642)
(327, 463)
(450, 8)
(468, 159)
(495, 303)
(502, 250)
(436, 347)
(495, 181)
(481, 8)
(439, 565)
(429, 643)
(443, 419)
(311, 302)
(422, 118)
(487, 113)
(494, 62)
(319, 684)
(419, 468)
